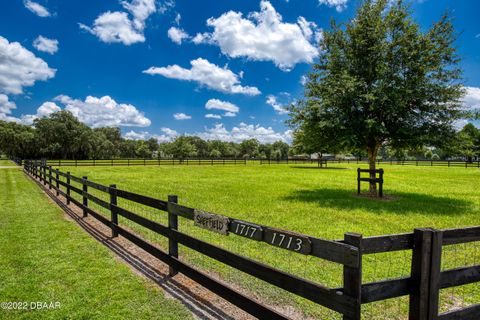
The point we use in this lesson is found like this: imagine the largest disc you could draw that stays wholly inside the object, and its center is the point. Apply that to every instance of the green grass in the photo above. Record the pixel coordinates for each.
(7, 163)
(44, 257)
(317, 202)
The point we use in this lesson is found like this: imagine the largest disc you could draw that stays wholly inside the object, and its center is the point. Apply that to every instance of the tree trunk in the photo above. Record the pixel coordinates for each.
(372, 158)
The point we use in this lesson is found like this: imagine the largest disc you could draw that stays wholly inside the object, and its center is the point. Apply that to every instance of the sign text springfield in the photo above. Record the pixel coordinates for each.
(210, 221)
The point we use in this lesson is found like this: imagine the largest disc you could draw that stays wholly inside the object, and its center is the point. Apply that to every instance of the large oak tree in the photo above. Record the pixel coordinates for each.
(381, 79)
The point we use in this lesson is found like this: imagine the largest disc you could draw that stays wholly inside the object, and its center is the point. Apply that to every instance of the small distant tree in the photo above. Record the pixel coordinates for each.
(277, 154)
(428, 154)
(249, 148)
(215, 154)
(380, 79)
(143, 151)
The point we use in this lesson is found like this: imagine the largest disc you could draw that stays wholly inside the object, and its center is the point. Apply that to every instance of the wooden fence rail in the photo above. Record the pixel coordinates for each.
(422, 286)
(242, 161)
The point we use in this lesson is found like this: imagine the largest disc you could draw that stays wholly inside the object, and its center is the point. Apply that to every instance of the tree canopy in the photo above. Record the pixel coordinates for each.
(62, 136)
(381, 80)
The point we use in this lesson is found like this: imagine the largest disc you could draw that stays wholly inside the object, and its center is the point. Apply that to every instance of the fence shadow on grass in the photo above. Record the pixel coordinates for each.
(318, 168)
(402, 202)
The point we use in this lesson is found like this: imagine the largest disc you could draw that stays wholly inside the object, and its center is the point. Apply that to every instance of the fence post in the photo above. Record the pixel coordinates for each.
(113, 212)
(420, 274)
(352, 277)
(49, 177)
(358, 181)
(380, 183)
(45, 175)
(435, 270)
(172, 224)
(68, 187)
(57, 185)
(85, 199)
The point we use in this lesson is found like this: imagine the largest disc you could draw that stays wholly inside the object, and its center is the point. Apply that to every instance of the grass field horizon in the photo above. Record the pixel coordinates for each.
(316, 202)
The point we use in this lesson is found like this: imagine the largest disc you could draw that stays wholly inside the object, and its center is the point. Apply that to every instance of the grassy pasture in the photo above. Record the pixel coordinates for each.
(46, 258)
(7, 163)
(317, 202)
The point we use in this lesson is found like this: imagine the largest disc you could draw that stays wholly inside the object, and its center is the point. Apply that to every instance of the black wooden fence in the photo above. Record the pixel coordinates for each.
(418, 163)
(422, 286)
(145, 162)
(243, 161)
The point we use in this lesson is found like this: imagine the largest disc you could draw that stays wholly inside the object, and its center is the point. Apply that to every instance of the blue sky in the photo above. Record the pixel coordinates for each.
(219, 69)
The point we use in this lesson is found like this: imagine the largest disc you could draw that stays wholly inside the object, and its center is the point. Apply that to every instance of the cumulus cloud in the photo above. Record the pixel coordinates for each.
(37, 8)
(262, 36)
(104, 112)
(221, 105)
(181, 116)
(6, 107)
(44, 110)
(45, 44)
(206, 74)
(339, 5)
(245, 131)
(20, 68)
(177, 35)
(472, 98)
(166, 136)
(213, 116)
(272, 101)
(118, 27)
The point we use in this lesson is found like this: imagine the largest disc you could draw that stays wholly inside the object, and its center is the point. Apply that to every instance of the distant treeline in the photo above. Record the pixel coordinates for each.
(62, 136)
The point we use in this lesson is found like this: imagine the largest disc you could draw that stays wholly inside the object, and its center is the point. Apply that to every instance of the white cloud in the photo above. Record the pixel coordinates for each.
(45, 44)
(6, 107)
(37, 8)
(339, 5)
(472, 98)
(44, 110)
(213, 116)
(182, 116)
(221, 105)
(206, 74)
(202, 38)
(166, 6)
(20, 68)
(303, 80)
(177, 19)
(166, 136)
(262, 36)
(177, 35)
(272, 101)
(229, 114)
(117, 26)
(104, 112)
(245, 131)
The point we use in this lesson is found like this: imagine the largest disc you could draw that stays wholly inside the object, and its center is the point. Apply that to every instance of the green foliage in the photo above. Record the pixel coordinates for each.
(379, 80)
(62, 136)
(249, 148)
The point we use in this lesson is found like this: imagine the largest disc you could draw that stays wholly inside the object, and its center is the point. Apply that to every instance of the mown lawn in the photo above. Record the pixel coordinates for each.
(318, 202)
(45, 258)
(7, 163)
